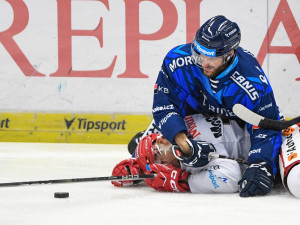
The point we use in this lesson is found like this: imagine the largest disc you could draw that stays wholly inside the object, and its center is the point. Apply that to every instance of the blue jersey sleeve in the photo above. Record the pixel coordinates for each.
(168, 104)
(259, 98)
(265, 143)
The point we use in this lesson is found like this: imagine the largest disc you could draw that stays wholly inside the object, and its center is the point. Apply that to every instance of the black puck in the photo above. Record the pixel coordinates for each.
(61, 195)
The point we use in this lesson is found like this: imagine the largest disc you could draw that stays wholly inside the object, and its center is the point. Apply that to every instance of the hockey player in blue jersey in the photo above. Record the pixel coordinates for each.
(209, 76)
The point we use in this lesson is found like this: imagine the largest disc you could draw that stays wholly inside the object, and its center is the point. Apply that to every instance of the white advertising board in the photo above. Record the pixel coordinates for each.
(103, 56)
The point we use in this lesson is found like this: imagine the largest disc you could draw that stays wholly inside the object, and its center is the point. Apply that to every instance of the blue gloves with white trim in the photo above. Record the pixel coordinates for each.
(199, 156)
(256, 180)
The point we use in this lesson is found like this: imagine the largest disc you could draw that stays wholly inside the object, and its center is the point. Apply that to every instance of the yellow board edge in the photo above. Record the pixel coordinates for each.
(71, 127)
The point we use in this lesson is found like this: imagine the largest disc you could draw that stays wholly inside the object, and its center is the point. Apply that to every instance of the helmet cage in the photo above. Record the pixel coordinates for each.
(146, 150)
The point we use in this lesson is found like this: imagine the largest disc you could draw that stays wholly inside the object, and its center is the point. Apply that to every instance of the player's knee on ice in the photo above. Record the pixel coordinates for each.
(219, 176)
(293, 181)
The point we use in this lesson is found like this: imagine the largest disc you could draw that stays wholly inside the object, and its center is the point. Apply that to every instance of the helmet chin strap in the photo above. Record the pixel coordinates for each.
(226, 58)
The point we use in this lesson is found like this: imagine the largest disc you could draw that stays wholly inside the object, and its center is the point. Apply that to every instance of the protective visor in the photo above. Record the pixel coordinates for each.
(199, 52)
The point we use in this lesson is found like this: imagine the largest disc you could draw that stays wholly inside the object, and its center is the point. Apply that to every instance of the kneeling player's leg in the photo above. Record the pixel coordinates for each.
(293, 181)
(289, 160)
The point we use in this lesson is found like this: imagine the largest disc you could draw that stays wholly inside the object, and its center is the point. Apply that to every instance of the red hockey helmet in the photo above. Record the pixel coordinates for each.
(145, 151)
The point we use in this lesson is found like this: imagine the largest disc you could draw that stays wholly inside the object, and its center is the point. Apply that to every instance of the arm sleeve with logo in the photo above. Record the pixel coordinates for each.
(252, 89)
(169, 103)
(265, 143)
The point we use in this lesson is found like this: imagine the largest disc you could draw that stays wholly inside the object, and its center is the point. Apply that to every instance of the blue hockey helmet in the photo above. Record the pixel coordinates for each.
(216, 37)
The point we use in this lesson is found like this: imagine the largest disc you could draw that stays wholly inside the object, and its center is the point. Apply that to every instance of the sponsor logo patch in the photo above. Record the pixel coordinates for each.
(291, 147)
(216, 127)
(191, 125)
(204, 51)
(155, 89)
(162, 108)
(292, 156)
(254, 151)
(85, 124)
(179, 62)
(245, 84)
(4, 123)
(288, 131)
(213, 180)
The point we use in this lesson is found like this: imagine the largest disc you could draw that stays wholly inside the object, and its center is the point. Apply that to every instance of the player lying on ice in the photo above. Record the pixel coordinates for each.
(206, 176)
(196, 173)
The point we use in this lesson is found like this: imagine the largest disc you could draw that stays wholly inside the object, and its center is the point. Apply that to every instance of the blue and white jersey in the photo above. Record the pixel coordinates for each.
(181, 85)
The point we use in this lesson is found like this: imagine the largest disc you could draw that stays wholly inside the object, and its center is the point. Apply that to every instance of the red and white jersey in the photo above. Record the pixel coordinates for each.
(229, 139)
(289, 159)
(227, 136)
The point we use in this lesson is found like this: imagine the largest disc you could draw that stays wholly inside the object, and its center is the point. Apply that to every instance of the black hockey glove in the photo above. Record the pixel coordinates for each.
(256, 180)
(199, 153)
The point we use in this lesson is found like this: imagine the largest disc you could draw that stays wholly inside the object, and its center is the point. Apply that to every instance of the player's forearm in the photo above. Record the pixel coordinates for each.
(180, 140)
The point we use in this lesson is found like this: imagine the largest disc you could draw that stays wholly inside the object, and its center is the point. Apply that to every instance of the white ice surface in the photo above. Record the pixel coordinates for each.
(100, 203)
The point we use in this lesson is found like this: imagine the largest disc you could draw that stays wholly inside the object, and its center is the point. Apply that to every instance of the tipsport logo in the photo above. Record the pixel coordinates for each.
(4, 123)
(85, 124)
(205, 51)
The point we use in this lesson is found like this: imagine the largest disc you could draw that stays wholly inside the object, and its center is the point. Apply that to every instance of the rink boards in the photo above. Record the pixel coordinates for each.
(71, 128)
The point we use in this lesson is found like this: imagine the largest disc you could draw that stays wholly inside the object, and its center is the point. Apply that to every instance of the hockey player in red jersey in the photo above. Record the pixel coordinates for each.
(156, 152)
(216, 75)
(173, 175)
